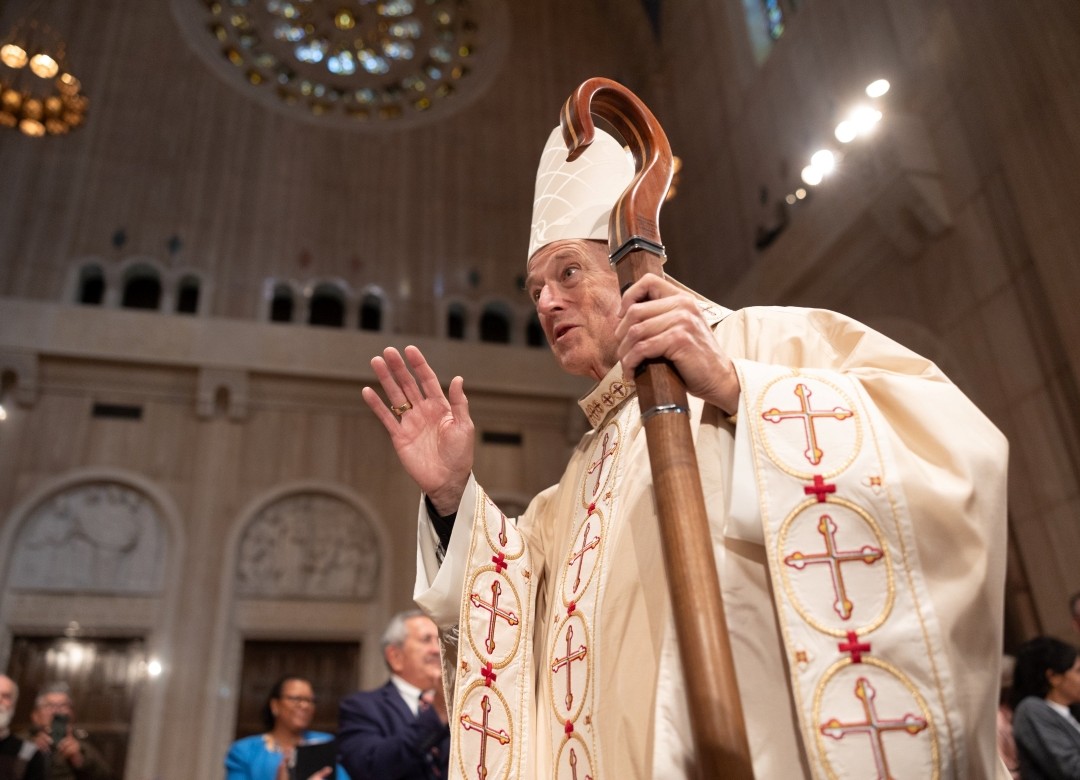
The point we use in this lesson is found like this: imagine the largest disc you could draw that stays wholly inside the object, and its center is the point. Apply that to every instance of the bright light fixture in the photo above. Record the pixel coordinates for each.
(13, 55)
(3, 413)
(824, 161)
(845, 132)
(44, 66)
(877, 88)
(811, 175)
(864, 118)
(154, 668)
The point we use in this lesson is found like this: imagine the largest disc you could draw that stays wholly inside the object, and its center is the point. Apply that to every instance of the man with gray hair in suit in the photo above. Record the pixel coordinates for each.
(399, 731)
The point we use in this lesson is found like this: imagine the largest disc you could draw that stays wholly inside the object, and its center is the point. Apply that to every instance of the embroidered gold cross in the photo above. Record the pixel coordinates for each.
(873, 727)
(485, 732)
(573, 765)
(579, 556)
(566, 660)
(492, 607)
(834, 558)
(813, 453)
(598, 466)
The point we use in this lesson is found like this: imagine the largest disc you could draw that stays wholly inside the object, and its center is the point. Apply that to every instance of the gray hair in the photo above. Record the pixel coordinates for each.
(55, 687)
(397, 631)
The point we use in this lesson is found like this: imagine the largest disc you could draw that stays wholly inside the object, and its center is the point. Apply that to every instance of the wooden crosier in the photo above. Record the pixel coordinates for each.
(716, 717)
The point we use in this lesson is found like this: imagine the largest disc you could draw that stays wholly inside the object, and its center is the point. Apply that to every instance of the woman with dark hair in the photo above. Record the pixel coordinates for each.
(289, 711)
(1045, 682)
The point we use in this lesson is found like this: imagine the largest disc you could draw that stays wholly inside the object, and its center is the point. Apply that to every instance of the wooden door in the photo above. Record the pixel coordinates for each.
(332, 667)
(104, 675)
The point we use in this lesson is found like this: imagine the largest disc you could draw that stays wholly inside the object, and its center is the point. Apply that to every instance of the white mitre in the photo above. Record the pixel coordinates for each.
(574, 199)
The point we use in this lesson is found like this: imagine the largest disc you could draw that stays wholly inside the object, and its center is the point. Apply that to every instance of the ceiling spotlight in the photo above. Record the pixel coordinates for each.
(13, 55)
(44, 66)
(800, 193)
(3, 413)
(811, 175)
(877, 88)
(824, 161)
(864, 118)
(845, 132)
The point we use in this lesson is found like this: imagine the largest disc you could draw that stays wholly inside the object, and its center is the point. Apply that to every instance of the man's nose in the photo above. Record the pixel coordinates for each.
(548, 299)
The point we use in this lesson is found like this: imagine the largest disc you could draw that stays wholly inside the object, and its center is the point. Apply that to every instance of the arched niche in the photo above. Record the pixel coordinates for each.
(100, 547)
(98, 535)
(304, 561)
(497, 322)
(327, 305)
(142, 286)
(308, 544)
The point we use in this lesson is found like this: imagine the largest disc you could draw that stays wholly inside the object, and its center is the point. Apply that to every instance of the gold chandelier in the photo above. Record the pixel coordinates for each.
(38, 93)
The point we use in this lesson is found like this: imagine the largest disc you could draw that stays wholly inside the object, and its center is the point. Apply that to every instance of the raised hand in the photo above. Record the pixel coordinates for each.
(432, 435)
(660, 320)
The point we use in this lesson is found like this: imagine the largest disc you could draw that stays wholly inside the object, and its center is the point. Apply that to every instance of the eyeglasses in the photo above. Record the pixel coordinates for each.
(299, 700)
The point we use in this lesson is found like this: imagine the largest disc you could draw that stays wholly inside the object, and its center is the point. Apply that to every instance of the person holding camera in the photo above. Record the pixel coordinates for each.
(67, 752)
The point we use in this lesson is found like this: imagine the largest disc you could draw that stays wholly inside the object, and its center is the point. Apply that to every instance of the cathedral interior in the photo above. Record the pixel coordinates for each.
(216, 212)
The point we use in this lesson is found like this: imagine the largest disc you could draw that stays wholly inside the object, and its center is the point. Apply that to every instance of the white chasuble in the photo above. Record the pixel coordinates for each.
(856, 506)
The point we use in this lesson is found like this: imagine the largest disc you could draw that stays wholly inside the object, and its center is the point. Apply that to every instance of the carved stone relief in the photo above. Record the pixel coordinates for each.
(308, 546)
(101, 537)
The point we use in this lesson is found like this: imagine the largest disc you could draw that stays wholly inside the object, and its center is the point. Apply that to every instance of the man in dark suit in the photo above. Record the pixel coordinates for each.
(400, 731)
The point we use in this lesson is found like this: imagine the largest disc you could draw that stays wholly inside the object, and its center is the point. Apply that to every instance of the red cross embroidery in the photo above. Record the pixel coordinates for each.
(488, 674)
(502, 520)
(485, 732)
(598, 466)
(873, 727)
(499, 561)
(813, 453)
(579, 556)
(819, 488)
(855, 647)
(566, 660)
(493, 608)
(573, 766)
(834, 558)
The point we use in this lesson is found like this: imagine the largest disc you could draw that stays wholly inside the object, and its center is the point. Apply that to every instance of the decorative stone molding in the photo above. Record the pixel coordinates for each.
(94, 537)
(230, 381)
(308, 545)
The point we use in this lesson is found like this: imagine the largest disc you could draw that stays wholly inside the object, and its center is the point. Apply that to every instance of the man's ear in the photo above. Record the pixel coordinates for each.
(393, 658)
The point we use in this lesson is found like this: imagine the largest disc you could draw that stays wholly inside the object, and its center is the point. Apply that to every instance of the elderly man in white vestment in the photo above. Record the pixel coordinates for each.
(857, 505)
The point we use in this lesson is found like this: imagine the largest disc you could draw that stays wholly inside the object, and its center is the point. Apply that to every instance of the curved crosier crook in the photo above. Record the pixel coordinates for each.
(635, 217)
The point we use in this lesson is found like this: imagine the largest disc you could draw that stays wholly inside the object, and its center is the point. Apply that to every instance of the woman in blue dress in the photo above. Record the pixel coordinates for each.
(288, 713)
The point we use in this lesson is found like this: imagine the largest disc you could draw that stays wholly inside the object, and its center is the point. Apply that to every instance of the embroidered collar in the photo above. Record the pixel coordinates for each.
(607, 395)
(615, 387)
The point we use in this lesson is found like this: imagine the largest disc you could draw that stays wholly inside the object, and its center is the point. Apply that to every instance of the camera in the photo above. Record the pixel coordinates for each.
(59, 728)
